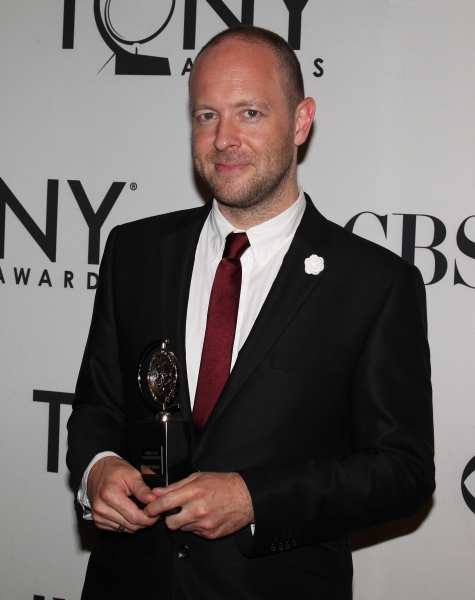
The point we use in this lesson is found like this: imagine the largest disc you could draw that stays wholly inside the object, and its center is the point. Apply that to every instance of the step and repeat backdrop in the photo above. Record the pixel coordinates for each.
(95, 132)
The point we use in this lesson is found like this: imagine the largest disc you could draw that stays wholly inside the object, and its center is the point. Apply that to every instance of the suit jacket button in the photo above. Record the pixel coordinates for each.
(287, 546)
(272, 547)
(280, 546)
(294, 543)
(182, 552)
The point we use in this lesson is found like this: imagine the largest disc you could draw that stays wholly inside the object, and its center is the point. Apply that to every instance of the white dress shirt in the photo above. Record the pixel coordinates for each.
(269, 242)
(260, 263)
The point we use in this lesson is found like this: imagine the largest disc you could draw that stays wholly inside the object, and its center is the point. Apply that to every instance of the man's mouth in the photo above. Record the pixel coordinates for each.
(230, 168)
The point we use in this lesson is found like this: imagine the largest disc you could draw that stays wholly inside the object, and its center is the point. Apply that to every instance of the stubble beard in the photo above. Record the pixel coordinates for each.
(263, 189)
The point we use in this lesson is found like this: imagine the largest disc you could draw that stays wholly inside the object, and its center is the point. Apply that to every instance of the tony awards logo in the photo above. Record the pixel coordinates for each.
(126, 26)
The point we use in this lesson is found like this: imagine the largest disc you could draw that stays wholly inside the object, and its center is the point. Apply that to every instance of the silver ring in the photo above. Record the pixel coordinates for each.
(120, 529)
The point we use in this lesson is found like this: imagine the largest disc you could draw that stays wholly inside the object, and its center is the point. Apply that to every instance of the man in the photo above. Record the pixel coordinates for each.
(324, 424)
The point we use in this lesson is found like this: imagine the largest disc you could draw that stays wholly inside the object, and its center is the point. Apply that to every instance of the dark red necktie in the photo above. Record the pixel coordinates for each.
(220, 329)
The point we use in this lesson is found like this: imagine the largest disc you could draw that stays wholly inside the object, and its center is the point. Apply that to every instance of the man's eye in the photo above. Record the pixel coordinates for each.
(206, 117)
(251, 113)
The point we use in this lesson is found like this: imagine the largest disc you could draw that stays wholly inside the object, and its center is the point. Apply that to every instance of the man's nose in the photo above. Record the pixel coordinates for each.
(227, 134)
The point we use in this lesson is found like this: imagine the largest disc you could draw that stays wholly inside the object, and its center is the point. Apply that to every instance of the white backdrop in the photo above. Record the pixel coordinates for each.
(394, 135)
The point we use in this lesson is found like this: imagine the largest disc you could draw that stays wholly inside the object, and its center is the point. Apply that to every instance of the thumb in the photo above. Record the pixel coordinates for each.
(141, 491)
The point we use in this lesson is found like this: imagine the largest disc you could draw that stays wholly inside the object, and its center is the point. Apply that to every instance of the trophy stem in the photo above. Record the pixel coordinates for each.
(164, 417)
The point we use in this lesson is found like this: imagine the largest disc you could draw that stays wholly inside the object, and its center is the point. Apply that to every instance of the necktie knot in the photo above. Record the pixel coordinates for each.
(236, 245)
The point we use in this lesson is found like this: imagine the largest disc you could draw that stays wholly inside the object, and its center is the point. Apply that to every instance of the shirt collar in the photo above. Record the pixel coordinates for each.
(266, 239)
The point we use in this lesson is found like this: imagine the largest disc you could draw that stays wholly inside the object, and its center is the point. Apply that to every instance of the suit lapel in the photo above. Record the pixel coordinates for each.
(291, 288)
(176, 266)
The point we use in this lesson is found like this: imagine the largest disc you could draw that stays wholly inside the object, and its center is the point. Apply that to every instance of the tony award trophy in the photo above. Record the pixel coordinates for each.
(163, 444)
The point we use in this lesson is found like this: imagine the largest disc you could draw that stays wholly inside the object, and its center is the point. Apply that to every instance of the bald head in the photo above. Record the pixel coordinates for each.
(287, 63)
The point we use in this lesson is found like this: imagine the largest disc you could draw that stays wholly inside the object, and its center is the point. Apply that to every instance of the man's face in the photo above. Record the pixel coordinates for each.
(242, 130)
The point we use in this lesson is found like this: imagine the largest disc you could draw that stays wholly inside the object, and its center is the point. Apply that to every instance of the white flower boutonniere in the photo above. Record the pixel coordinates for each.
(314, 264)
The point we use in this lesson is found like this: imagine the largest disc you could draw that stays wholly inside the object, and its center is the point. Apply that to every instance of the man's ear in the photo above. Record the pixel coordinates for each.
(304, 114)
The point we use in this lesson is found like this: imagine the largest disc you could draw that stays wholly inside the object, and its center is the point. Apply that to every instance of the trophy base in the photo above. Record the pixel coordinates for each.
(164, 451)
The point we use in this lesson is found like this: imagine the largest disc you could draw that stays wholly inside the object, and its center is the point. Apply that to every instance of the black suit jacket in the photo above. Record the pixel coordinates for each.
(326, 414)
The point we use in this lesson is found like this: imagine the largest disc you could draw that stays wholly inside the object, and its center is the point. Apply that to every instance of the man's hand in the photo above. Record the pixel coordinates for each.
(212, 504)
(110, 484)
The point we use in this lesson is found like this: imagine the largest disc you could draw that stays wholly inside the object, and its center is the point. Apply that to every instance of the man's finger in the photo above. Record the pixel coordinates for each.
(108, 525)
(119, 526)
(160, 491)
(123, 512)
(128, 511)
(170, 499)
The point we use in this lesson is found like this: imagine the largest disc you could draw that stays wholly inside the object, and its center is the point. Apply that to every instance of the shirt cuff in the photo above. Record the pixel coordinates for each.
(82, 496)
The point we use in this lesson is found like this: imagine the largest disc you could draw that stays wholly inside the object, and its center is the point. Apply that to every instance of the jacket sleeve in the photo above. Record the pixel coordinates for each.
(97, 421)
(388, 472)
